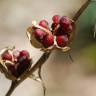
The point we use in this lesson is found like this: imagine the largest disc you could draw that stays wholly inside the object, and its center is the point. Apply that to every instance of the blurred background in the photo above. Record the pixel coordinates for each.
(60, 76)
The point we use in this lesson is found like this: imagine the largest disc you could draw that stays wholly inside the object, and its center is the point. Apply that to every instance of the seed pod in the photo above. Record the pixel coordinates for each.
(16, 67)
(41, 37)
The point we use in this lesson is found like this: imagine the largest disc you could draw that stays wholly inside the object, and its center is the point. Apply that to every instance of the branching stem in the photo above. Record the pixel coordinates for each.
(42, 59)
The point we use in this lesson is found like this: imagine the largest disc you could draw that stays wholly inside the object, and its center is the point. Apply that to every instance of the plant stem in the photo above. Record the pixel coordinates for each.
(42, 59)
(80, 11)
(15, 83)
(39, 63)
(42, 82)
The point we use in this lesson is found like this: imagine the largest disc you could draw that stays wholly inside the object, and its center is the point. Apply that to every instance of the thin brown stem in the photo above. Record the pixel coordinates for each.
(80, 11)
(43, 58)
(14, 84)
(40, 62)
(42, 82)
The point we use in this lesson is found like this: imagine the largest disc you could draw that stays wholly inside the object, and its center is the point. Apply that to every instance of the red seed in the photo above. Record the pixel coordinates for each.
(44, 24)
(24, 53)
(7, 56)
(65, 21)
(67, 24)
(56, 19)
(62, 41)
(48, 41)
(39, 34)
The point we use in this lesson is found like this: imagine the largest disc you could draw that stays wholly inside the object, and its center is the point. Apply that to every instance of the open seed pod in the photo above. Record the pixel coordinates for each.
(58, 37)
(14, 63)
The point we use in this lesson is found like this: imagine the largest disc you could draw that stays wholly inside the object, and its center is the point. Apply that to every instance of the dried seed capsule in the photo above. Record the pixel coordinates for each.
(7, 56)
(20, 62)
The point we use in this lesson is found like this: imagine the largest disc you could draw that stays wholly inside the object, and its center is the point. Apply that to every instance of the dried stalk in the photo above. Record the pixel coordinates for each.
(40, 62)
(14, 84)
(42, 59)
(42, 82)
(39, 79)
(80, 11)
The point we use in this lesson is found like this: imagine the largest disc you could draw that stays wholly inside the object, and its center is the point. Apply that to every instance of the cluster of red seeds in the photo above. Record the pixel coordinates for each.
(61, 28)
(21, 61)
